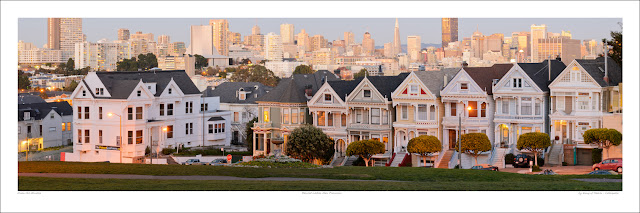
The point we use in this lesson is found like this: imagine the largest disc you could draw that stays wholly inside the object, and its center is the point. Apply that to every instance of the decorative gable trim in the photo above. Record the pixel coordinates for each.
(374, 91)
(403, 88)
(171, 85)
(507, 79)
(456, 80)
(324, 89)
(567, 71)
(141, 87)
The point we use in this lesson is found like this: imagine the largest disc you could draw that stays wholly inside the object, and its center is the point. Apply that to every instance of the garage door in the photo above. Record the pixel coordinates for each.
(584, 157)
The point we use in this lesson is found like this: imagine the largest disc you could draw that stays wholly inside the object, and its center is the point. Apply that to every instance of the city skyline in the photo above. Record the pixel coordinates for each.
(429, 29)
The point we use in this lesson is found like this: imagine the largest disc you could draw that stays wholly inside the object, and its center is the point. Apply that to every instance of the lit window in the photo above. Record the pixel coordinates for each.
(265, 114)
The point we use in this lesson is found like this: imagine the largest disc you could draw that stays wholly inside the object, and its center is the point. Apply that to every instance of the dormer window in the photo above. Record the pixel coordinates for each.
(328, 98)
(367, 93)
(413, 89)
(464, 86)
(99, 91)
(139, 93)
(169, 90)
(243, 96)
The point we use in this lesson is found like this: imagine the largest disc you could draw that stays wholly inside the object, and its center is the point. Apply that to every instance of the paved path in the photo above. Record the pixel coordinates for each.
(189, 177)
(561, 170)
(600, 180)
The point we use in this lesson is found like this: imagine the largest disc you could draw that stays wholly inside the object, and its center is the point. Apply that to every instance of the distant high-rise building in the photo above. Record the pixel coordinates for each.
(255, 30)
(142, 36)
(494, 42)
(478, 44)
(63, 34)
(537, 32)
(368, 44)
(414, 46)
(286, 32)
(102, 55)
(25, 45)
(388, 50)
(303, 40)
(561, 46)
(234, 38)
(449, 31)
(123, 34)
(397, 46)
(177, 48)
(201, 41)
(349, 38)
(318, 42)
(164, 39)
(220, 32)
(566, 34)
(273, 50)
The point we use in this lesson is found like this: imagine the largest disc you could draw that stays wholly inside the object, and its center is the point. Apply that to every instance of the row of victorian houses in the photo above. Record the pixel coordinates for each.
(503, 101)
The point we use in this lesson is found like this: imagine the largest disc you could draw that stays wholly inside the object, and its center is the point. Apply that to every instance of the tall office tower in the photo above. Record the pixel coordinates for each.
(561, 46)
(255, 30)
(177, 48)
(164, 39)
(397, 46)
(234, 38)
(478, 44)
(368, 44)
(449, 31)
(123, 34)
(286, 32)
(63, 34)
(349, 38)
(273, 50)
(202, 42)
(494, 42)
(388, 50)
(220, 32)
(303, 40)
(414, 46)
(537, 32)
(318, 42)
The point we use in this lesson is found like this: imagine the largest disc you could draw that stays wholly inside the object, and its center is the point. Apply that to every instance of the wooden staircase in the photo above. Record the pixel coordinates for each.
(444, 162)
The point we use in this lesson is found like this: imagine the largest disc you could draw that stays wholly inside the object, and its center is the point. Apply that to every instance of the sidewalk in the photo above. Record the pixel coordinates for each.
(561, 170)
(190, 177)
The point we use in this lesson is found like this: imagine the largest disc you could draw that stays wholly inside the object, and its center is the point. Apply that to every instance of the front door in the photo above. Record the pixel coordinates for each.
(268, 146)
(340, 148)
(452, 139)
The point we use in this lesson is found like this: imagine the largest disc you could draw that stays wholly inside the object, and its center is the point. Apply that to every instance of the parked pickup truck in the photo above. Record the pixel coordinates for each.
(193, 162)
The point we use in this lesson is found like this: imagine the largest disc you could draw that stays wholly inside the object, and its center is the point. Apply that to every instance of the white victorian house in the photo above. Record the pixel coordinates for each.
(329, 111)
(468, 100)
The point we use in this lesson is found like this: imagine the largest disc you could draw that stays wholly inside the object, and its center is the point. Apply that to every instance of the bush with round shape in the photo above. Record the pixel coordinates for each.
(475, 144)
(365, 149)
(308, 143)
(424, 146)
(534, 142)
(603, 137)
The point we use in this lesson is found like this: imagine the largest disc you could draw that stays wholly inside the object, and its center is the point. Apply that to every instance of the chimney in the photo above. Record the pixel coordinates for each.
(446, 80)
(606, 68)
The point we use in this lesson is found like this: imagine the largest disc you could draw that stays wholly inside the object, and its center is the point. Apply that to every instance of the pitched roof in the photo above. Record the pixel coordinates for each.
(291, 90)
(434, 80)
(40, 110)
(539, 72)
(228, 92)
(121, 84)
(26, 98)
(387, 84)
(595, 68)
(344, 88)
(483, 76)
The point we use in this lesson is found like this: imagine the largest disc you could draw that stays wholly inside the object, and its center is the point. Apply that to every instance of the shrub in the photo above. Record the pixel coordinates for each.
(536, 168)
(540, 161)
(365, 149)
(596, 155)
(508, 158)
(168, 151)
(424, 146)
(147, 150)
(534, 142)
(358, 162)
(308, 143)
(457, 166)
(603, 137)
(474, 144)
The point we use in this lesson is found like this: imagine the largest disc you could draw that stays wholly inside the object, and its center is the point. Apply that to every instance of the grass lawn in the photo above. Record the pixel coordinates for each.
(419, 178)
(65, 184)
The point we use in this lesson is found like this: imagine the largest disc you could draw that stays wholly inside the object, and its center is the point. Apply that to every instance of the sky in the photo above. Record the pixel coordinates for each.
(381, 29)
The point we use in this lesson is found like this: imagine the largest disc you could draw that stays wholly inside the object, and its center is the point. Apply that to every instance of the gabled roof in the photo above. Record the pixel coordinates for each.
(40, 110)
(387, 84)
(483, 76)
(291, 90)
(539, 72)
(344, 88)
(26, 98)
(595, 68)
(434, 80)
(228, 91)
(121, 84)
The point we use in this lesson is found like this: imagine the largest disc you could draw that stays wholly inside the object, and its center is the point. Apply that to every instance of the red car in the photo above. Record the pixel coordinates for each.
(614, 164)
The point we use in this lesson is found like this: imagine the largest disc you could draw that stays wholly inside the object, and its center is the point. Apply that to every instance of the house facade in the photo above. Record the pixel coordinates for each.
(44, 125)
(330, 112)
(118, 114)
(585, 92)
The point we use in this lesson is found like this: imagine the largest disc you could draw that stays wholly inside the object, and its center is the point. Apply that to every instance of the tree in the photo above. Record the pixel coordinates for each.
(43, 94)
(23, 81)
(360, 74)
(303, 69)
(148, 61)
(249, 133)
(70, 65)
(474, 144)
(212, 71)
(256, 73)
(200, 61)
(309, 143)
(72, 86)
(223, 74)
(616, 42)
(127, 65)
(424, 146)
(603, 137)
(534, 142)
(365, 149)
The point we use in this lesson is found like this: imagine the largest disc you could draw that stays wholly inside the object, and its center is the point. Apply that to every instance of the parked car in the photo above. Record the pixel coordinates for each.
(614, 164)
(602, 172)
(193, 161)
(218, 162)
(485, 167)
(521, 161)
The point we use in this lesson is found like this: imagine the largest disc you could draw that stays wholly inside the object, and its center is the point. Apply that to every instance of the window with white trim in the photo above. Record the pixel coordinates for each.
(464, 86)
(517, 82)
(422, 112)
(583, 102)
(294, 115)
(538, 109)
(375, 116)
(505, 106)
(432, 113)
(560, 102)
(385, 116)
(404, 112)
(366, 93)
(285, 116)
(329, 119)
(413, 89)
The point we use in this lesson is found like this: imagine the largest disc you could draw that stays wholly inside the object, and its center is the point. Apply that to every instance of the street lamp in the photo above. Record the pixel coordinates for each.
(459, 137)
(27, 142)
(119, 132)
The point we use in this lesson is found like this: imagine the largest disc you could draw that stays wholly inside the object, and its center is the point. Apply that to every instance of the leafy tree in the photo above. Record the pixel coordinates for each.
(474, 144)
(72, 86)
(200, 61)
(365, 149)
(603, 137)
(223, 74)
(211, 71)
(130, 65)
(245, 61)
(148, 61)
(43, 94)
(23, 81)
(616, 42)
(70, 65)
(249, 133)
(256, 73)
(309, 143)
(303, 69)
(360, 74)
(424, 146)
(534, 142)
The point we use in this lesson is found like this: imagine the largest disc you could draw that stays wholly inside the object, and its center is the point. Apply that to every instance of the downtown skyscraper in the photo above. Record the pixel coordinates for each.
(449, 31)
(397, 46)
(286, 32)
(63, 34)
(220, 33)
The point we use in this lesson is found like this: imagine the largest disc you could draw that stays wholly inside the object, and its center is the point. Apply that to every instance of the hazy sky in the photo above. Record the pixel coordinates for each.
(34, 29)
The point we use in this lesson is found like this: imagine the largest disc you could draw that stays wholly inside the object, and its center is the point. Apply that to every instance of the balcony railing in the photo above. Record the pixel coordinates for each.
(519, 117)
(370, 126)
(453, 120)
(262, 125)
